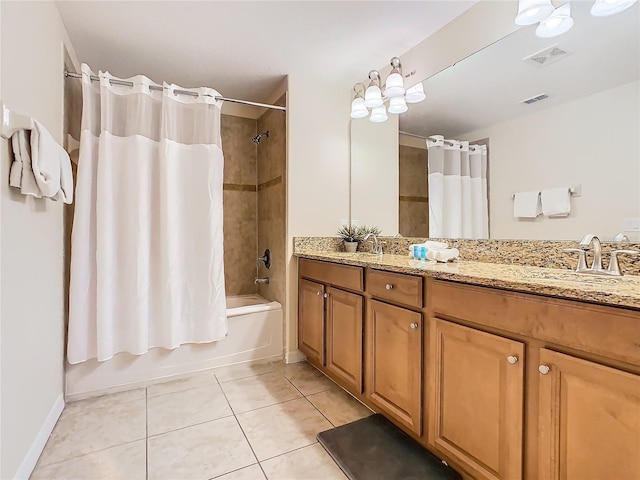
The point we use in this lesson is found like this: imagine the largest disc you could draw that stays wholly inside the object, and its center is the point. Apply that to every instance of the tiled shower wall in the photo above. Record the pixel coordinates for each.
(272, 200)
(240, 204)
(414, 206)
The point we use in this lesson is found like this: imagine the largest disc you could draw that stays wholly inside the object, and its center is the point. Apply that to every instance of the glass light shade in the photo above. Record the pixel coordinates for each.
(372, 97)
(397, 105)
(395, 86)
(533, 11)
(379, 114)
(415, 94)
(358, 110)
(604, 8)
(557, 23)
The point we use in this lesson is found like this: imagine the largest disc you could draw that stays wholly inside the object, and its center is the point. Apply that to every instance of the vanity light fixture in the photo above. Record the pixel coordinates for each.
(392, 91)
(533, 11)
(604, 8)
(358, 108)
(557, 23)
(554, 22)
(415, 94)
(373, 95)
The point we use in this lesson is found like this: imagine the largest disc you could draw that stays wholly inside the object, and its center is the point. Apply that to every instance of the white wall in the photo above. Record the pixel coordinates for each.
(374, 174)
(31, 273)
(591, 141)
(317, 173)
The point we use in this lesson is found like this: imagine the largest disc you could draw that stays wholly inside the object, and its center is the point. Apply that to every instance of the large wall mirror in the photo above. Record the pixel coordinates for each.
(584, 133)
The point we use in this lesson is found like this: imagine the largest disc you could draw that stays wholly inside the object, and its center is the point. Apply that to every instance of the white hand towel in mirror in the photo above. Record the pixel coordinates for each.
(556, 202)
(526, 204)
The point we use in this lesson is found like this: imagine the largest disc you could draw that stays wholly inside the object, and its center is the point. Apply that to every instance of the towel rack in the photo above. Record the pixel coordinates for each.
(575, 191)
(11, 122)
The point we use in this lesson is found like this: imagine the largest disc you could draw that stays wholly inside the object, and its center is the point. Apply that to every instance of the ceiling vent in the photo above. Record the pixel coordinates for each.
(535, 99)
(546, 56)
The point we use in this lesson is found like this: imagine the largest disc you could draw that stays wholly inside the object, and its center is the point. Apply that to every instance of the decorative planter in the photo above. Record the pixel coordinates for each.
(350, 246)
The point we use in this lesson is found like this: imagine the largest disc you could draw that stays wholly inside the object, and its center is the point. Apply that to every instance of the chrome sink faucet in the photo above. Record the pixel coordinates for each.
(596, 264)
(585, 243)
(376, 246)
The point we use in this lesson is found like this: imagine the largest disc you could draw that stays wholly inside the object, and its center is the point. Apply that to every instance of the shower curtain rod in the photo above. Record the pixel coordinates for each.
(95, 78)
(451, 144)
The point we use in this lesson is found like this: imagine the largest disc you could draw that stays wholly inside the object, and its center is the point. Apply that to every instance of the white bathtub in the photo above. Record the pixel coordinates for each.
(255, 334)
(249, 304)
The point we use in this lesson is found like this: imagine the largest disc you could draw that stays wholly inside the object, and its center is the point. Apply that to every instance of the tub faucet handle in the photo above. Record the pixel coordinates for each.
(266, 258)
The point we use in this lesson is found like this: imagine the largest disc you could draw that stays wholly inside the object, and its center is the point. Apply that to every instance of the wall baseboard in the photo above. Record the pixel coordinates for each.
(294, 356)
(32, 456)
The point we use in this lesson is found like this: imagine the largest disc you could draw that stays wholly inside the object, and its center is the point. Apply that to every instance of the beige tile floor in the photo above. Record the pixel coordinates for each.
(243, 422)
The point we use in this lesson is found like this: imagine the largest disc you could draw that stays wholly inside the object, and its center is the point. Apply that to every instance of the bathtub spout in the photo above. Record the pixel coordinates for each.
(262, 280)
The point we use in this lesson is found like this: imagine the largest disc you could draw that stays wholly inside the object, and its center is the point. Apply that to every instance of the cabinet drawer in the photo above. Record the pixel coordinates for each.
(396, 287)
(344, 276)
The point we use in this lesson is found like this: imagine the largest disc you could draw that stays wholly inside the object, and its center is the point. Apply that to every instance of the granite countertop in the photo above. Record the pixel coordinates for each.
(616, 291)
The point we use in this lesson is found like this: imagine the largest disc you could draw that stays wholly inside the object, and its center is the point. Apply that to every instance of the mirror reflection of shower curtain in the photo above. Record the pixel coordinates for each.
(458, 202)
(146, 248)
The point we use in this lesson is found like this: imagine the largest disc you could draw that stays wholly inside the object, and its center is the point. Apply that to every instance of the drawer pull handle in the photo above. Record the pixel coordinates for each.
(512, 359)
(326, 295)
(544, 369)
(388, 286)
(413, 326)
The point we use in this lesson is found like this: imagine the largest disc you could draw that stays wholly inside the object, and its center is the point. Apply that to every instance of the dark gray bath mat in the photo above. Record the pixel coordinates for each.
(375, 449)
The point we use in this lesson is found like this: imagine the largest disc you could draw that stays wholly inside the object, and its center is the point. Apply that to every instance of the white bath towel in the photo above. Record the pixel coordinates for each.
(526, 204)
(41, 167)
(556, 202)
(443, 255)
(21, 175)
(429, 244)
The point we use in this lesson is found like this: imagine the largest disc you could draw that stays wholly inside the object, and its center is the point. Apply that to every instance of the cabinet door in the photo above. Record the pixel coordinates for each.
(344, 337)
(394, 366)
(589, 420)
(476, 399)
(311, 320)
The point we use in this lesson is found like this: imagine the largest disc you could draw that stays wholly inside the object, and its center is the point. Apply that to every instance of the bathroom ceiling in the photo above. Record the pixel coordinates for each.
(244, 49)
(489, 87)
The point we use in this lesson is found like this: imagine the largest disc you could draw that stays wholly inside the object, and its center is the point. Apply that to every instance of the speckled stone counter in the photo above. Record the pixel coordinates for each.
(562, 283)
(530, 253)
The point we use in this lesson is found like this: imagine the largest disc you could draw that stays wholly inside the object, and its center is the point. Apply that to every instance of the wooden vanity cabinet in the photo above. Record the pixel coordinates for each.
(589, 427)
(394, 363)
(330, 320)
(569, 410)
(311, 329)
(476, 402)
(394, 342)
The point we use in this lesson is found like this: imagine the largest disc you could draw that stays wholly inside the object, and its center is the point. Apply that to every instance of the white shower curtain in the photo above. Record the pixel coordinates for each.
(458, 202)
(146, 249)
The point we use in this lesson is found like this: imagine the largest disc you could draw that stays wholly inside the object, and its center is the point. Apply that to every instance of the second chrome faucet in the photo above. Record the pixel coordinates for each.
(596, 264)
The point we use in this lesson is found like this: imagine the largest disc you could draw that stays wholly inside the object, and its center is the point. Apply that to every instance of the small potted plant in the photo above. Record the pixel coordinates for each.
(350, 234)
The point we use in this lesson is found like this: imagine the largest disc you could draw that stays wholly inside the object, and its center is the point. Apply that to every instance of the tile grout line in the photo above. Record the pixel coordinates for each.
(90, 453)
(189, 426)
(310, 402)
(242, 430)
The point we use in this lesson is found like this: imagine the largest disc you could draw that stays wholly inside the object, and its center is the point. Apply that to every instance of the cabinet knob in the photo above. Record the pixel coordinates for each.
(318, 293)
(326, 295)
(544, 369)
(413, 326)
(388, 286)
(512, 359)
